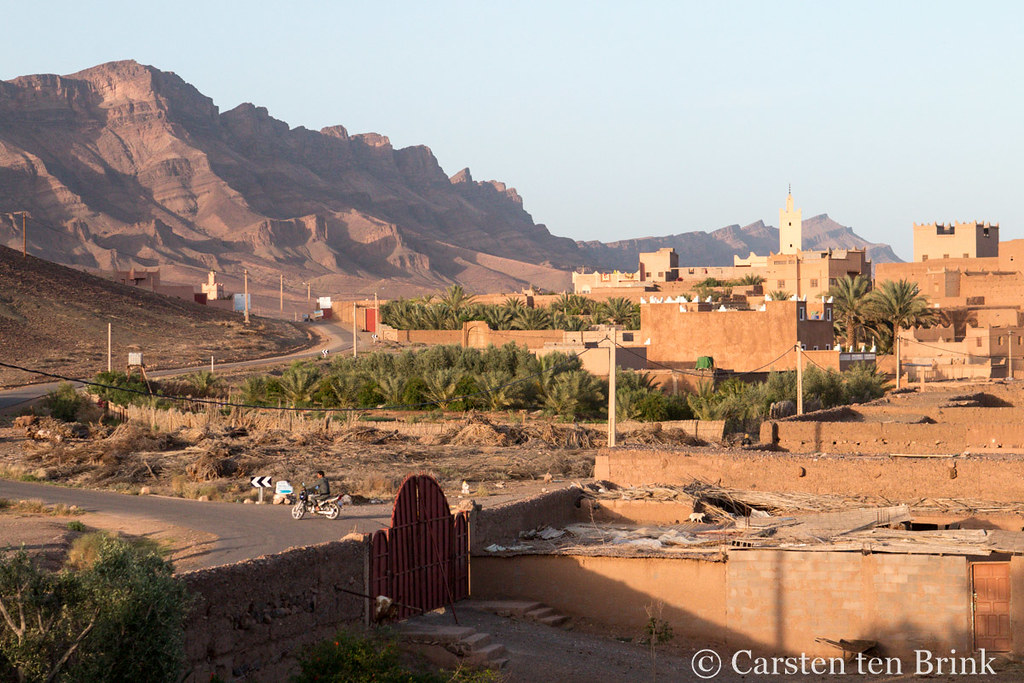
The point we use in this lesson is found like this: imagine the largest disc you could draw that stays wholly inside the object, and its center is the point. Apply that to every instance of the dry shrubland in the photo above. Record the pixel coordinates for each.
(214, 454)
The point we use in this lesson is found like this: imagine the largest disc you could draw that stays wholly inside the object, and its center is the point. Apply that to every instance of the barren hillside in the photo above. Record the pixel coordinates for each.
(55, 319)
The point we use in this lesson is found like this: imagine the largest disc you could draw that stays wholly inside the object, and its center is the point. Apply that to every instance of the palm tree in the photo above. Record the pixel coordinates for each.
(900, 304)
(204, 382)
(532, 319)
(850, 296)
(298, 383)
(442, 386)
(499, 394)
(751, 280)
(514, 303)
(780, 295)
(622, 311)
(498, 317)
(455, 299)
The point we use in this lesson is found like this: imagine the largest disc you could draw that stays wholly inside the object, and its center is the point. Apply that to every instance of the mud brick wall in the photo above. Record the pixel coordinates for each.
(783, 600)
(502, 523)
(805, 436)
(983, 477)
(252, 618)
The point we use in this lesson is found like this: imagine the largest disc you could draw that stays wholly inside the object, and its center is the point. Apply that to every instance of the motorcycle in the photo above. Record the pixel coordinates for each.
(329, 508)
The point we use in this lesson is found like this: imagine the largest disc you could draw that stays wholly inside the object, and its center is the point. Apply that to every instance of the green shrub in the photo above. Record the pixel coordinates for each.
(119, 381)
(348, 658)
(119, 619)
(65, 402)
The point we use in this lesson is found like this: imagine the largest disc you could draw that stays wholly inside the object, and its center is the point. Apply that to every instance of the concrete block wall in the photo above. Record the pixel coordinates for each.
(252, 618)
(782, 601)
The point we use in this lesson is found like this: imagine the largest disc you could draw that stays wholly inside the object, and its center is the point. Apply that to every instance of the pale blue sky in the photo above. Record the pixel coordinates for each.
(617, 120)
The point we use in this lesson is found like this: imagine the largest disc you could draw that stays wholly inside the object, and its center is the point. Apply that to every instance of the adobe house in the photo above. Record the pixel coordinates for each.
(677, 333)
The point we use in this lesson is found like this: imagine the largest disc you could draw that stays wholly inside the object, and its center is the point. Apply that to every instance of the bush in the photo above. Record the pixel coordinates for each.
(348, 658)
(118, 382)
(65, 403)
(120, 618)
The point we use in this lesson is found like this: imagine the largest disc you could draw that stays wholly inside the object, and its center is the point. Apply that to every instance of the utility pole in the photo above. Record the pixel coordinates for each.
(1009, 359)
(307, 291)
(24, 236)
(611, 393)
(282, 292)
(376, 315)
(898, 358)
(211, 365)
(799, 378)
(109, 366)
(355, 339)
(246, 295)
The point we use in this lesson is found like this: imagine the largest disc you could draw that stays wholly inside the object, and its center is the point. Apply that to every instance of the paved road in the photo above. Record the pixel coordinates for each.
(339, 339)
(243, 531)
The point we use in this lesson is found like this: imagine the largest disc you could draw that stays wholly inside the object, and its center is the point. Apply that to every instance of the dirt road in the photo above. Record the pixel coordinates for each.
(243, 531)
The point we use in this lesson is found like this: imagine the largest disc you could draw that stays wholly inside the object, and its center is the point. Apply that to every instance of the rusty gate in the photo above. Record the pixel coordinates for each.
(422, 561)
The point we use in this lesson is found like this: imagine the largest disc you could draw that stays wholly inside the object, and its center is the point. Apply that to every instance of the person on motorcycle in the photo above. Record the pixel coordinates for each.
(321, 487)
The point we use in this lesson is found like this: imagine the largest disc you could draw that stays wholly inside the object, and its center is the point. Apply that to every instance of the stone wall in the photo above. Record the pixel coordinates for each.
(252, 618)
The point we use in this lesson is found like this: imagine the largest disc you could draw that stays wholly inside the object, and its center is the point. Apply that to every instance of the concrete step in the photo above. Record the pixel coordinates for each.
(477, 640)
(485, 655)
(555, 620)
(539, 613)
(504, 608)
(434, 633)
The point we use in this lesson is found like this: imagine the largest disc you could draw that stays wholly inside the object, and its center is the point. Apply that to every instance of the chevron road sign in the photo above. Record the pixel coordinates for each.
(260, 483)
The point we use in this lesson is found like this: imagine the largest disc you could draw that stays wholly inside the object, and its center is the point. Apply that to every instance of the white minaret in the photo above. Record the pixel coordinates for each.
(790, 227)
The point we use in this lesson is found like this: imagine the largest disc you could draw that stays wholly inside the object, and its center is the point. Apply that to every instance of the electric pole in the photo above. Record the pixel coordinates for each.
(24, 236)
(355, 339)
(898, 363)
(109, 365)
(245, 274)
(1009, 359)
(282, 292)
(799, 378)
(611, 393)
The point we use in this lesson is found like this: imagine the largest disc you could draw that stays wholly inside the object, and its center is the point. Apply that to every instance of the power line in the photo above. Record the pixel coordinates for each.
(697, 373)
(253, 406)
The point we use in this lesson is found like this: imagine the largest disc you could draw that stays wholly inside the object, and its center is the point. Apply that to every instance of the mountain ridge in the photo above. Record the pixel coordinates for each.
(124, 165)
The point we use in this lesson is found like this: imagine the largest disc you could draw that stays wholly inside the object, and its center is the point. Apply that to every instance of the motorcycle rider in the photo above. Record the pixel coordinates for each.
(321, 487)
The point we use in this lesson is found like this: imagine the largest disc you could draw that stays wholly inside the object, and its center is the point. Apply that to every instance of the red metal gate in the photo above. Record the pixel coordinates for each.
(422, 561)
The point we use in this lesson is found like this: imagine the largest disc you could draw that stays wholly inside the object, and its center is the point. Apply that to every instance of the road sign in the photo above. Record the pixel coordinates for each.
(283, 487)
(261, 482)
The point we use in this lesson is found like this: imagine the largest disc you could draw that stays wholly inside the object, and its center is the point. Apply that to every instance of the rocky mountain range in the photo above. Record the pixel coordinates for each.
(125, 165)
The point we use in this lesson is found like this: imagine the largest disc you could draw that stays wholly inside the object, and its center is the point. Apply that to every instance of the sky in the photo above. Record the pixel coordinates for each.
(616, 120)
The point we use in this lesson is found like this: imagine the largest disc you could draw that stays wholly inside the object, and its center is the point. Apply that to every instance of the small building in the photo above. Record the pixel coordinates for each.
(972, 239)
(211, 288)
(677, 333)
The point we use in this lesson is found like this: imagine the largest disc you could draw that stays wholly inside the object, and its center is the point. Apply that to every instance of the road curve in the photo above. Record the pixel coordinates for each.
(339, 339)
(243, 531)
